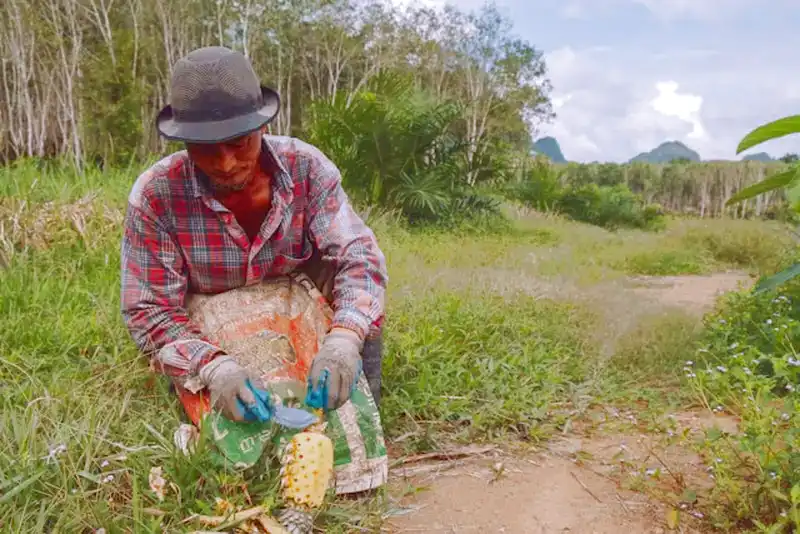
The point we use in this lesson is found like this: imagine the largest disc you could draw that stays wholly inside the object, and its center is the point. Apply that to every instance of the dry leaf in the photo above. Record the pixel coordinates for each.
(157, 482)
(271, 525)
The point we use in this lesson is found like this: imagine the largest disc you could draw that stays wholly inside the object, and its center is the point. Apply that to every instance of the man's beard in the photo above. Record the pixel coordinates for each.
(225, 188)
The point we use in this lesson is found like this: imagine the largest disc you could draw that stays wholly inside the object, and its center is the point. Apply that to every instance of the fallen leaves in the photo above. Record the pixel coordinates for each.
(157, 482)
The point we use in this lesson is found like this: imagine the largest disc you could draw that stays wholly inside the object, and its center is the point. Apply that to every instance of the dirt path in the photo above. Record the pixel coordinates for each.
(695, 294)
(540, 495)
(578, 484)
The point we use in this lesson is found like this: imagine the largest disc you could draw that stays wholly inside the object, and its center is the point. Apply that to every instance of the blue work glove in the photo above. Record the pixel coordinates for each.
(261, 411)
(335, 370)
(234, 393)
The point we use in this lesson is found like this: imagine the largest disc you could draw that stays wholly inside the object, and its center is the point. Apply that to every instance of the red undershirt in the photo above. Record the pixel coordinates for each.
(250, 205)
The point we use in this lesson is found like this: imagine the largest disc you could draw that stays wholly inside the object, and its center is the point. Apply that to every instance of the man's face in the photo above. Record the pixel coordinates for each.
(229, 165)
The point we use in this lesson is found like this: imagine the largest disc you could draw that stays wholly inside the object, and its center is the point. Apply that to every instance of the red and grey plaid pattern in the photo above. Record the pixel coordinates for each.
(177, 239)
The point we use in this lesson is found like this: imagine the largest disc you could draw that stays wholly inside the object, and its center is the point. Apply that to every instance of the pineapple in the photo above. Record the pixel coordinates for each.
(306, 472)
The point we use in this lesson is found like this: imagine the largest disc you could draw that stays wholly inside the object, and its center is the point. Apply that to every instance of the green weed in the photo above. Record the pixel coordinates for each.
(481, 366)
(666, 262)
(653, 353)
(747, 365)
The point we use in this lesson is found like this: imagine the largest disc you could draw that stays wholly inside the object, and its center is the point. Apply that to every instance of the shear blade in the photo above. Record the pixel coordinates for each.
(293, 417)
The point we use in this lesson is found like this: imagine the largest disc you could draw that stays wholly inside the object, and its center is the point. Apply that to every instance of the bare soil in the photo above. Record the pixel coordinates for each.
(604, 477)
(692, 293)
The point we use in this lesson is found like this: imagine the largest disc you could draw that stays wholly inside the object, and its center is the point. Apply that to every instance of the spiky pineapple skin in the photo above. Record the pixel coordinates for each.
(296, 521)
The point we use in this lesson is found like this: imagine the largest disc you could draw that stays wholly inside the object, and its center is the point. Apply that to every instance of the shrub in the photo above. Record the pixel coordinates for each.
(540, 189)
(396, 147)
(611, 207)
(748, 365)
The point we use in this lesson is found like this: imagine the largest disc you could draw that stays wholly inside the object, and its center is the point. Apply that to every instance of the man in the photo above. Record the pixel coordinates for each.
(237, 207)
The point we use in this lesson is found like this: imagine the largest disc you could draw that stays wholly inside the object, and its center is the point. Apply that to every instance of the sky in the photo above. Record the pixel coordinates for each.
(628, 75)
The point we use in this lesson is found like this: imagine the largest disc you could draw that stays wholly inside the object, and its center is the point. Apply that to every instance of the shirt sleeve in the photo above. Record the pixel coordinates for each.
(359, 284)
(152, 296)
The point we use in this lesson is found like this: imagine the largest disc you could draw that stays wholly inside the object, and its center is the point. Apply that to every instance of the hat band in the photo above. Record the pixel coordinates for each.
(201, 112)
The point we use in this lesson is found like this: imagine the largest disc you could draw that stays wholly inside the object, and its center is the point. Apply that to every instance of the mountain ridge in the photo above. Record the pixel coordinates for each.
(667, 151)
(548, 146)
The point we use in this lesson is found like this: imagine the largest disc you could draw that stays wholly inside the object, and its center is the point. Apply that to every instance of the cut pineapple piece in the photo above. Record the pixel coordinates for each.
(307, 469)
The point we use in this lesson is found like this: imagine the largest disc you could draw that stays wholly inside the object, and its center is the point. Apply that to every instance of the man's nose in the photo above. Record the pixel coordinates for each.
(227, 159)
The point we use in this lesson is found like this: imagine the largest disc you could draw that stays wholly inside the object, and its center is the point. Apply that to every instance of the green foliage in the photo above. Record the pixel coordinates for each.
(740, 246)
(667, 262)
(771, 130)
(602, 200)
(748, 365)
(459, 357)
(611, 207)
(683, 187)
(776, 181)
(113, 100)
(540, 187)
(112, 61)
(788, 179)
(395, 147)
(655, 349)
(704, 247)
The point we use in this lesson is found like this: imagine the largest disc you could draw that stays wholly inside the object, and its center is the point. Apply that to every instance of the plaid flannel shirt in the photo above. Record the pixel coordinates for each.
(178, 239)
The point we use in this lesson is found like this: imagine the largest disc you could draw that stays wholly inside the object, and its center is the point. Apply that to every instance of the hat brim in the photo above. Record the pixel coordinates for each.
(218, 131)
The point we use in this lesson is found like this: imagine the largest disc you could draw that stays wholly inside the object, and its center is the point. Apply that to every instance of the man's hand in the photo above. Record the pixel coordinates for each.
(335, 370)
(231, 389)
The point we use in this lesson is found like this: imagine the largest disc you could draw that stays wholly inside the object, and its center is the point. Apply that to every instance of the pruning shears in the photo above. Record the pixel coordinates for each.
(283, 415)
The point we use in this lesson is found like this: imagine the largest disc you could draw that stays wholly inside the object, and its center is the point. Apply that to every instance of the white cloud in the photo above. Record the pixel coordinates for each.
(684, 106)
(697, 9)
(612, 104)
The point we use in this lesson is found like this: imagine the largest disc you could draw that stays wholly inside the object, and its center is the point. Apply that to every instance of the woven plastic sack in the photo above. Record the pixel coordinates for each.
(275, 329)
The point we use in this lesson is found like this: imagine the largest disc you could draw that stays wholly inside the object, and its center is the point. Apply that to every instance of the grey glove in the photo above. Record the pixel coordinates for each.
(340, 355)
(227, 382)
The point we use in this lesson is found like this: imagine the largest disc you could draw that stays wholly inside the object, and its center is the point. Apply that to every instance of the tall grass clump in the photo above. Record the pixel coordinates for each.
(706, 246)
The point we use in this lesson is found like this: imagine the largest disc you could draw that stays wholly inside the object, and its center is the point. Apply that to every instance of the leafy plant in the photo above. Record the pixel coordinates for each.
(540, 187)
(748, 365)
(395, 146)
(606, 202)
(788, 179)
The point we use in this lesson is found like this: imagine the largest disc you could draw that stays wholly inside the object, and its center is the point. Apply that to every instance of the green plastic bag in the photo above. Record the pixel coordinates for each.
(355, 430)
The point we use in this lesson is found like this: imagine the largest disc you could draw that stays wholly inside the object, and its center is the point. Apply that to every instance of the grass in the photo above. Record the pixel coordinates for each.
(491, 336)
(471, 370)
